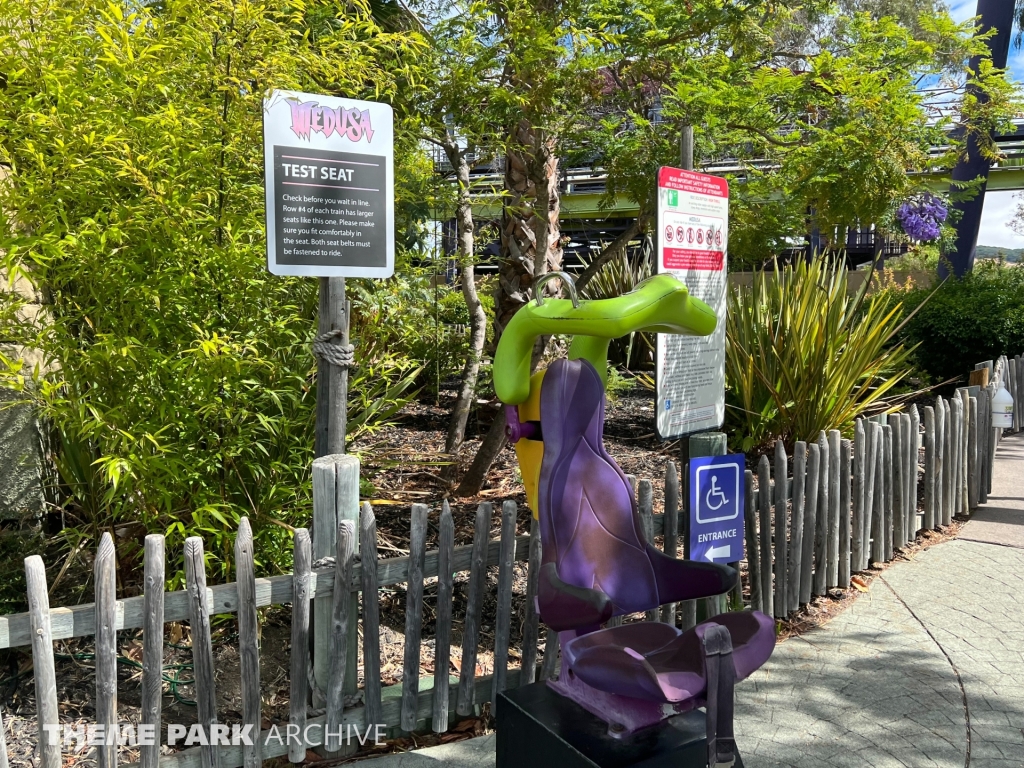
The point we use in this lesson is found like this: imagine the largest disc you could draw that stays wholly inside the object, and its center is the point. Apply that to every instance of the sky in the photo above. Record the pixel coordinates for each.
(999, 206)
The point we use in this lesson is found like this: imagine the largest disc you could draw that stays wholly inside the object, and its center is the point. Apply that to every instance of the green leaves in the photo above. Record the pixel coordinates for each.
(802, 355)
(176, 372)
(827, 117)
(978, 317)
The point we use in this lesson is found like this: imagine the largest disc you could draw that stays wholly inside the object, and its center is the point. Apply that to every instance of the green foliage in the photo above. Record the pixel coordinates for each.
(968, 321)
(176, 371)
(803, 356)
(617, 384)
(818, 105)
(411, 322)
(842, 123)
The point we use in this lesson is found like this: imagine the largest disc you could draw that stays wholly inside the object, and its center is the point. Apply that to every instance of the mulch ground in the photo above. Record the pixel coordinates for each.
(405, 464)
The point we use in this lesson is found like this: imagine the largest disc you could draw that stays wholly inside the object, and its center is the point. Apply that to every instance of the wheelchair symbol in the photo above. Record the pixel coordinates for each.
(716, 494)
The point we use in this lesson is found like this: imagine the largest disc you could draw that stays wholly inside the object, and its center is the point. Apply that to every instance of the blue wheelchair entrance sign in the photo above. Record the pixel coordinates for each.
(716, 508)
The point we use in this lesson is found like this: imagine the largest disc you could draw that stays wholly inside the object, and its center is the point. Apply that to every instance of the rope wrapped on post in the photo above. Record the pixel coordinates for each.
(341, 355)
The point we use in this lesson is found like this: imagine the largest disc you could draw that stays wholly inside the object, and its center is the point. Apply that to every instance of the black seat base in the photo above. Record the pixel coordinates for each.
(537, 728)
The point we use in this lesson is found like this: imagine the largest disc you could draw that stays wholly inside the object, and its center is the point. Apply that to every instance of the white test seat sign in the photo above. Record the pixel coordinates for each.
(330, 186)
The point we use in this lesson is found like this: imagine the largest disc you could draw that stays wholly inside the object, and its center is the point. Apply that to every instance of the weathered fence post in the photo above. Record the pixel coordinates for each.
(909, 477)
(899, 490)
(872, 445)
(549, 665)
(948, 463)
(930, 463)
(887, 464)
(105, 577)
(821, 522)
(671, 531)
(413, 616)
(531, 627)
(371, 616)
(154, 578)
(202, 645)
(687, 609)
(299, 694)
(474, 604)
(834, 439)
(878, 493)
(954, 420)
(972, 455)
(248, 642)
(1011, 386)
(796, 539)
(342, 619)
(42, 662)
(958, 454)
(781, 542)
(963, 499)
(443, 624)
(503, 620)
(764, 507)
(993, 440)
(915, 428)
(810, 515)
(984, 422)
(645, 508)
(845, 494)
(940, 461)
(753, 551)
(335, 498)
(859, 486)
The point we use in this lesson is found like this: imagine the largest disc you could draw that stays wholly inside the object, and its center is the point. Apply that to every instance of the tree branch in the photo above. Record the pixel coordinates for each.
(766, 136)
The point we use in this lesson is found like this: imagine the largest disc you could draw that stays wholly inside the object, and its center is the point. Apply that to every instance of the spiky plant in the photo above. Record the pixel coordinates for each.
(803, 355)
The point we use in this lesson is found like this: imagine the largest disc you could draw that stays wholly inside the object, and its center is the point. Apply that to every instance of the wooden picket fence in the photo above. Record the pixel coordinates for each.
(324, 666)
(845, 505)
(849, 503)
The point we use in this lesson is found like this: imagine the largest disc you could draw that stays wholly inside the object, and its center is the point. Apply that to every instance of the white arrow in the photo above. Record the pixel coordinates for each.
(722, 551)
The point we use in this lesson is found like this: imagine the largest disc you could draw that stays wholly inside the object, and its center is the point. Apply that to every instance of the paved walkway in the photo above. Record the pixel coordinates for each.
(926, 669)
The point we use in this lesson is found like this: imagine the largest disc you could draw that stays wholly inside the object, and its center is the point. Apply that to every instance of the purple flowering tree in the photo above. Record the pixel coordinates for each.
(922, 217)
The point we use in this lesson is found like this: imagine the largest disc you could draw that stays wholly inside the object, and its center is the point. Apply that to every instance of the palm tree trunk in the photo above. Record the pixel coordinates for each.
(530, 242)
(530, 247)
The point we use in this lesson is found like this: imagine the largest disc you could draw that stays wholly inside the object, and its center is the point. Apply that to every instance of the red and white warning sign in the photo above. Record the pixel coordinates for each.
(693, 225)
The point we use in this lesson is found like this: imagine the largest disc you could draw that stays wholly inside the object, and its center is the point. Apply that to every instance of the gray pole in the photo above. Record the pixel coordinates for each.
(686, 148)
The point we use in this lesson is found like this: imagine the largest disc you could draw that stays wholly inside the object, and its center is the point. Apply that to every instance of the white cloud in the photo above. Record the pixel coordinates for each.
(999, 208)
(961, 10)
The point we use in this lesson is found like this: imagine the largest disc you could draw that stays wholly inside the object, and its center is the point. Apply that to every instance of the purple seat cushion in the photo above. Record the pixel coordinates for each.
(657, 662)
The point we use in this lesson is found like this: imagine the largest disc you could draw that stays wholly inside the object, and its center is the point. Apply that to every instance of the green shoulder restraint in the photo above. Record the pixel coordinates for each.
(660, 304)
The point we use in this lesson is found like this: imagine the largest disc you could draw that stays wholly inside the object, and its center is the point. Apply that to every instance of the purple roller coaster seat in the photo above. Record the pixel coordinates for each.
(596, 565)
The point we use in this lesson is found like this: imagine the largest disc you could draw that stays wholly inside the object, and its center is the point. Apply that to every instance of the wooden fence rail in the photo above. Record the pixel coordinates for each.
(811, 523)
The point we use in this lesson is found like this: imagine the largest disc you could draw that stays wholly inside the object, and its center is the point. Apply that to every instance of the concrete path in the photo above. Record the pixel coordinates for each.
(926, 669)
(1001, 520)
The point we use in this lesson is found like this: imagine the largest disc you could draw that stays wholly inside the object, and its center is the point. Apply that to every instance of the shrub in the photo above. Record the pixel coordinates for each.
(803, 356)
(409, 318)
(968, 321)
(178, 375)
